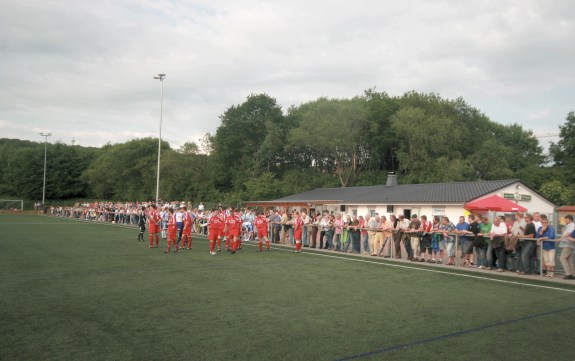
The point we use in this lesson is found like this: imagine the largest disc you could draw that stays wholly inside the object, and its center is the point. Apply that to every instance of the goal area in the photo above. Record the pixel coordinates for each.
(14, 205)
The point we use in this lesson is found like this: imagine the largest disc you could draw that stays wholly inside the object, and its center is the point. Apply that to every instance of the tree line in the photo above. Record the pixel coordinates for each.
(261, 152)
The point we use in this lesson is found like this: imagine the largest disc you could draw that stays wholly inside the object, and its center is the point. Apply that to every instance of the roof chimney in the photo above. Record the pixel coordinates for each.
(391, 179)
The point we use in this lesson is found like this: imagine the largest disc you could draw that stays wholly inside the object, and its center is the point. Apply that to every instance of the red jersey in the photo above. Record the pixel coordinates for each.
(261, 223)
(172, 227)
(187, 220)
(154, 216)
(427, 226)
(215, 223)
(233, 222)
(297, 223)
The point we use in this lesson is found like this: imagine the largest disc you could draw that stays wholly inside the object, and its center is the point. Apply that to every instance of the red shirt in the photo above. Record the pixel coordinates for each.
(154, 216)
(233, 223)
(362, 225)
(262, 223)
(215, 223)
(298, 223)
(187, 220)
(172, 225)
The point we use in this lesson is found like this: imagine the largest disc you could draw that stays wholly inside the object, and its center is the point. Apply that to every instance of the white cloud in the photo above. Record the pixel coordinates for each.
(85, 70)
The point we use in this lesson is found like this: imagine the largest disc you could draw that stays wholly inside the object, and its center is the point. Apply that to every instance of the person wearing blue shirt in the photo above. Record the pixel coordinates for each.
(546, 232)
(462, 228)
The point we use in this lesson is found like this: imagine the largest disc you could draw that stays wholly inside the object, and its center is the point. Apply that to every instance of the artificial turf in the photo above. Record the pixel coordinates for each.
(73, 290)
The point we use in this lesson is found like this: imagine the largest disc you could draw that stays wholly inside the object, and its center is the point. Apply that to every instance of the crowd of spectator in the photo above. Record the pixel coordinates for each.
(523, 244)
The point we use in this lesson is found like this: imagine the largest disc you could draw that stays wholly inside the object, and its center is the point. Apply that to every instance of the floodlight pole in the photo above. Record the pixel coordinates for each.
(161, 78)
(45, 135)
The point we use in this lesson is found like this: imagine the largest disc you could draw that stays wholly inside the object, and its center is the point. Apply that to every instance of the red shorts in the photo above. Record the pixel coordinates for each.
(154, 228)
(172, 234)
(297, 234)
(214, 234)
(234, 232)
(262, 233)
(187, 231)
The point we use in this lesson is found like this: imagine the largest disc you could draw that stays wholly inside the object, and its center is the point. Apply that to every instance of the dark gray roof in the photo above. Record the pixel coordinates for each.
(456, 192)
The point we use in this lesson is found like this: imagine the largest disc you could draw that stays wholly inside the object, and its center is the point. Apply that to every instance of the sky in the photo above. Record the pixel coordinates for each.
(83, 70)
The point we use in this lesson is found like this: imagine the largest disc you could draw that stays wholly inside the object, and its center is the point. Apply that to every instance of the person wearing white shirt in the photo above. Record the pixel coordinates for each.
(566, 243)
(305, 219)
(497, 236)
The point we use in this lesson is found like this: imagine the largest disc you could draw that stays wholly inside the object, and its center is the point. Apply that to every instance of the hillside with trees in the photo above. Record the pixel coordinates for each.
(261, 151)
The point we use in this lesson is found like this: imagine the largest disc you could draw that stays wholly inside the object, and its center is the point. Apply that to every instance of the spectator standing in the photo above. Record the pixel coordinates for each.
(497, 237)
(447, 228)
(484, 261)
(305, 228)
(425, 244)
(566, 244)
(364, 236)
(471, 243)
(414, 234)
(404, 237)
(338, 230)
(528, 246)
(462, 228)
(347, 233)
(355, 233)
(546, 233)
(375, 235)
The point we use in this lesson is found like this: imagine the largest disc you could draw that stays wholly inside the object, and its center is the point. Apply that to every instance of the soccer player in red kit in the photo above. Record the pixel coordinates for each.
(154, 225)
(172, 231)
(262, 229)
(215, 227)
(238, 215)
(224, 232)
(187, 230)
(233, 229)
(297, 230)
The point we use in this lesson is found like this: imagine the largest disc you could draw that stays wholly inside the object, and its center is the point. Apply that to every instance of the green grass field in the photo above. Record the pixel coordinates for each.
(72, 290)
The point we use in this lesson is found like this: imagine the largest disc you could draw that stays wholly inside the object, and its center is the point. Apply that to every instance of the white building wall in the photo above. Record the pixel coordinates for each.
(536, 203)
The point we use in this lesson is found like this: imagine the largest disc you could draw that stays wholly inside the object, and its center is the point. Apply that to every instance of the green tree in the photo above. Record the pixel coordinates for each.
(557, 193)
(563, 152)
(489, 161)
(334, 132)
(429, 146)
(22, 168)
(381, 141)
(245, 142)
(127, 171)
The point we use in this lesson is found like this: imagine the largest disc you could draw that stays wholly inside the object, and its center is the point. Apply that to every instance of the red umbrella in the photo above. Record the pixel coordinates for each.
(494, 203)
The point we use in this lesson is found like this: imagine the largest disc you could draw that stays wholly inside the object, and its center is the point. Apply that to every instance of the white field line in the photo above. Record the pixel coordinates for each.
(280, 248)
